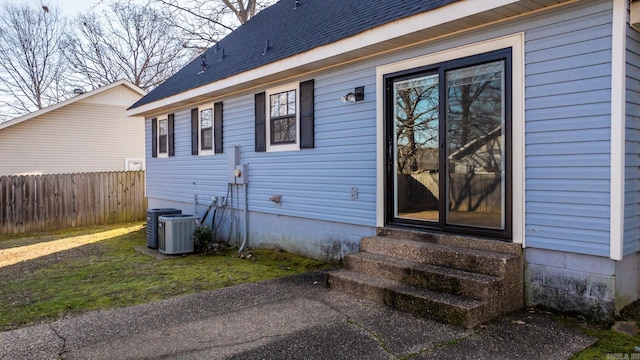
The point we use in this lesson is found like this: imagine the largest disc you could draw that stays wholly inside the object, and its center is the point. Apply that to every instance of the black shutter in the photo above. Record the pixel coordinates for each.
(217, 127)
(261, 128)
(306, 115)
(194, 131)
(154, 137)
(172, 150)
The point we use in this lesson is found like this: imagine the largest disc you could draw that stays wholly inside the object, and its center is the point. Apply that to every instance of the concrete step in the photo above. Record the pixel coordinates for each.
(465, 241)
(438, 278)
(457, 279)
(457, 257)
(448, 308)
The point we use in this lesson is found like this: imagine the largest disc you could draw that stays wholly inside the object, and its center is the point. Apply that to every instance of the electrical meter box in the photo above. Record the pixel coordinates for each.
(233, 159)
(236, 173)
(240, 174)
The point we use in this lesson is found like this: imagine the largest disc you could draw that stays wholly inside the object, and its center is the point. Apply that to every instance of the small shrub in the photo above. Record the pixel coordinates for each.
(202, 240)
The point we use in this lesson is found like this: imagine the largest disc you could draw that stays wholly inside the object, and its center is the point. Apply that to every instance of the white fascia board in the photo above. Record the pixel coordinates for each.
(132, 86)
(72, 100)
(426, 20)
(618, 117)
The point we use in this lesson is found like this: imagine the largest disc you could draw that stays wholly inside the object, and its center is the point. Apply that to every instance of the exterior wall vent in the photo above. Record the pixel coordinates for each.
(175, 233)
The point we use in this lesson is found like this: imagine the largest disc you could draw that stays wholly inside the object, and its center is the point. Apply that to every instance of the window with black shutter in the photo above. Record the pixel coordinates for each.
(206, 130)
(194, 131)
(154, 137)
(171, 137)
(217, 128)
(260, 126)
(284, 118)
(162, 136)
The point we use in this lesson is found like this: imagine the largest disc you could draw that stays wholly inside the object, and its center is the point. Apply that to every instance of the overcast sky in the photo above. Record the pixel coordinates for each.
(67, 7)
(73, 7)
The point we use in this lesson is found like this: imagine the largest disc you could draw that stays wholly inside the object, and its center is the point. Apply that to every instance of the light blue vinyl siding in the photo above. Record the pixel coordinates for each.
(314, 183)
(181, 177)
(568, 92)
(632, 135)
(567, 100)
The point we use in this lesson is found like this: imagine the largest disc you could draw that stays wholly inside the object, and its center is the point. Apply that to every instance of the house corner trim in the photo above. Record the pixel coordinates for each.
(618, 114)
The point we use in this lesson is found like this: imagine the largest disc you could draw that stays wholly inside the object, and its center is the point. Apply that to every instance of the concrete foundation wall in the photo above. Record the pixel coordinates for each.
(590, 285)
(324, 240)
(329, 241)
(627, 280)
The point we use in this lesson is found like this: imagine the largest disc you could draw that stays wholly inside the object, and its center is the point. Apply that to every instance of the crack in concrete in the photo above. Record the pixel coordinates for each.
(212, 347)
(249, 341)
(63, 350)
(371, 333)
(447, 343)
(384, 346)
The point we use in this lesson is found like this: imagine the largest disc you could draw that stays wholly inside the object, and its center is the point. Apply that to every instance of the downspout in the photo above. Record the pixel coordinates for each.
(246, 215)
(242, 173)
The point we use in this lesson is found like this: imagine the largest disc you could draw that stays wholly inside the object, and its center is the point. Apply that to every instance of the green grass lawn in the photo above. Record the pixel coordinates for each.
(609, 344)
(103, 270)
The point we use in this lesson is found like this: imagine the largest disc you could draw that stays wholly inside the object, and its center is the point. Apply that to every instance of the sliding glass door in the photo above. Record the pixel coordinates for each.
(416, 147)
(448, 145)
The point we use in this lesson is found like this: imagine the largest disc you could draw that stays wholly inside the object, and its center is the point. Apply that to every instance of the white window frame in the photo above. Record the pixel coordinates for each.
(202, 151)
(282, 147)
(166, 153)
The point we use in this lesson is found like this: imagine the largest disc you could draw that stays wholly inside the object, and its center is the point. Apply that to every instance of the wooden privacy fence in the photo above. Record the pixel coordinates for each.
(467, 192)
(49, 202)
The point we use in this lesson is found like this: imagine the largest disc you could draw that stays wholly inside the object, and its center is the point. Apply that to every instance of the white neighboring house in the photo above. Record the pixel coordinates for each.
(87, 133)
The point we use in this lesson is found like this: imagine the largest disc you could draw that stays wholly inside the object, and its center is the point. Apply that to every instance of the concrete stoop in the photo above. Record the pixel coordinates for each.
(460, 280)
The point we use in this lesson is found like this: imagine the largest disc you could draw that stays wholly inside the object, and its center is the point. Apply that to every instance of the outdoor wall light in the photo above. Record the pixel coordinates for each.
(356, 95)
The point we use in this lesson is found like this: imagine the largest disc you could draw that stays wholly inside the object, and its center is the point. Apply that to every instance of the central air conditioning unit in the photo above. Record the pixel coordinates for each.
(152, 224)
(175, 233)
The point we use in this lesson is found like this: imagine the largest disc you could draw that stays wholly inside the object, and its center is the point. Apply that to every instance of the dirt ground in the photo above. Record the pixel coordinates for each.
(631, 312)
(29, 254)
(21, 261)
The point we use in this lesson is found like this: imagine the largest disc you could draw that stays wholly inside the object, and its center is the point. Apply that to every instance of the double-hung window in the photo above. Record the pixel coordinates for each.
(205, 134)
(283, 118)
(163, 138)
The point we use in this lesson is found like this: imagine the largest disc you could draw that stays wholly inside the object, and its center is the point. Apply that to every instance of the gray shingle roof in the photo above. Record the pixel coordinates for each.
(290, 31)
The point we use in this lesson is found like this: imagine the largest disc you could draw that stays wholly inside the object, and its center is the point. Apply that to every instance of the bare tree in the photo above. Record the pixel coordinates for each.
(243, 11)
(31, 68)
(128, 41)
(416, 123)
(204, 22)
